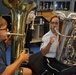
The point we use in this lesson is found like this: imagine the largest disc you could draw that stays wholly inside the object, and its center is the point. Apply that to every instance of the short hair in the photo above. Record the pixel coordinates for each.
(55, 17)
(2, 22)
(60, 20)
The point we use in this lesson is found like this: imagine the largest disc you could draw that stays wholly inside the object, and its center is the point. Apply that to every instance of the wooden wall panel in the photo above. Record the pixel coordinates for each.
(46, 14)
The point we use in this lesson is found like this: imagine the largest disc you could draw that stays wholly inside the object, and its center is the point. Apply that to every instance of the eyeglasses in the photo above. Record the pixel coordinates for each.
(4, 28)
(56, 23)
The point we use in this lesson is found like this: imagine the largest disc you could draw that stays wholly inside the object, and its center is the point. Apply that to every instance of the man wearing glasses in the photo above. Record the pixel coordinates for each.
(49, 50)
(4, 68)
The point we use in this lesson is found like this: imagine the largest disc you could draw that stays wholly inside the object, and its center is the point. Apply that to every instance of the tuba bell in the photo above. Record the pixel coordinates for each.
(67, 42)
(19, 11)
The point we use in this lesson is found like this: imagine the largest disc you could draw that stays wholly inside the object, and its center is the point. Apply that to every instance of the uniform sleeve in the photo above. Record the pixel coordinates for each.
(2, 64)
(45, 41)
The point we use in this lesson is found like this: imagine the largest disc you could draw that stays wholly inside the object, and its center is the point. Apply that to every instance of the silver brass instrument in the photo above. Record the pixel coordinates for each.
(32, 26)
(19, 10)
(31, 17)
(67, 47)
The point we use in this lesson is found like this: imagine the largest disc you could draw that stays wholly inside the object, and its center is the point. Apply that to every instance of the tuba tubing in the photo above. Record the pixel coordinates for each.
(16, 34)
(64, 35)
(19, 11)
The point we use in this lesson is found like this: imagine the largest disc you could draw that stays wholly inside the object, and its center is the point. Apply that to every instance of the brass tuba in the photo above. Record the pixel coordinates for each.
(19, 10)
(67, 47)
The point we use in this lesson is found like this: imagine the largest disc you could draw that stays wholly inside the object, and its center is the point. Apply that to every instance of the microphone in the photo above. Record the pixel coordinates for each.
(44, 72)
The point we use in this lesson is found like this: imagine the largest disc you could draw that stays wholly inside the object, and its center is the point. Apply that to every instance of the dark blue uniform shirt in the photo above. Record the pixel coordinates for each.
(2, 56)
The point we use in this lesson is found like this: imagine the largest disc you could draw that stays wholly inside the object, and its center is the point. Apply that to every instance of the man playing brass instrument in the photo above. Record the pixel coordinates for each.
(49, 50)
(9, 69)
